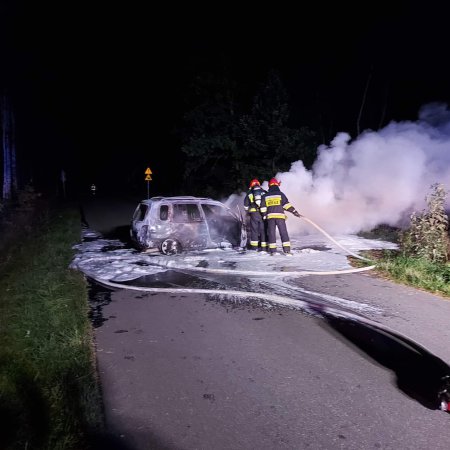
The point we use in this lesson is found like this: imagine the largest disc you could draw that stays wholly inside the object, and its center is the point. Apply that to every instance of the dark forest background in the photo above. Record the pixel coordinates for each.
(209, 99)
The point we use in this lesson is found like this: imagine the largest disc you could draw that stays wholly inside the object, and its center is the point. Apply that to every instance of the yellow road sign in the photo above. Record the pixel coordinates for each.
(148, 178)
(148, 171)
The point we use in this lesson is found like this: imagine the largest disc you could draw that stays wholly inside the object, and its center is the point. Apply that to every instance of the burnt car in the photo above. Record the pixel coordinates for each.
(172, 225)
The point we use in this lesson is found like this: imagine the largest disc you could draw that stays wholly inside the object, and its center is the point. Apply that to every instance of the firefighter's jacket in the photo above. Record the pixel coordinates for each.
(274, 203)
(252, 200)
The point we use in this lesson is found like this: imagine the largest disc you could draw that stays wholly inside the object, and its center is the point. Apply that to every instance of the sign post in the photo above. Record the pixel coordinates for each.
(148, 178)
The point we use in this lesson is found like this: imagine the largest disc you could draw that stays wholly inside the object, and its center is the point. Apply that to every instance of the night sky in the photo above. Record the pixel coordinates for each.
(98, 89)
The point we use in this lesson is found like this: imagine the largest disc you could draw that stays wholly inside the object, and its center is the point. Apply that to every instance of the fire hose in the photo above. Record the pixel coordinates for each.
(333, 240)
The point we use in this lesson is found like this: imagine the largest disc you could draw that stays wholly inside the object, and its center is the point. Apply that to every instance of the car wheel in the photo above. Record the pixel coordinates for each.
(170, 247)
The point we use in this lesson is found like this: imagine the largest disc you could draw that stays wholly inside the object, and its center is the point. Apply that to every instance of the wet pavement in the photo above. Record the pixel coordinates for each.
(202, 371)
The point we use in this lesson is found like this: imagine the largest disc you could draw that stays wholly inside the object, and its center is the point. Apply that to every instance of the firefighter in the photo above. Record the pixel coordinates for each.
(273, 206)
(252, 203)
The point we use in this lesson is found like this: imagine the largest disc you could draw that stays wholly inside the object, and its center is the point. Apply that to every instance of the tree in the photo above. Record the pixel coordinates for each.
(209, 137)
(225, 148)
(10, 182)
(269, 144)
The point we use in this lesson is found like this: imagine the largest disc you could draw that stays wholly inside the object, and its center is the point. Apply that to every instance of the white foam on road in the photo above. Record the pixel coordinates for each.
(109, 262)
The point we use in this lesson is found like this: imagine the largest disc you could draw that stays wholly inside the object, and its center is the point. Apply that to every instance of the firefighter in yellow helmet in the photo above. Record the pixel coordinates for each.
(273, 206)
(252, 203)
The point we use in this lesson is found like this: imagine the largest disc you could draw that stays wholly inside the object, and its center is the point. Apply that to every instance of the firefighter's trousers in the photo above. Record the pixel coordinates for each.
(272, 225)
(257, 231)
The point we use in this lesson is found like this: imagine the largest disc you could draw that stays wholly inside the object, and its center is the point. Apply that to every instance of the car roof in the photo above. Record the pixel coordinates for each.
(180, 198)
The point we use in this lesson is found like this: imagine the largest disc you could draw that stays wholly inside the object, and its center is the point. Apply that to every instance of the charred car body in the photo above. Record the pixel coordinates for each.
(175, 224)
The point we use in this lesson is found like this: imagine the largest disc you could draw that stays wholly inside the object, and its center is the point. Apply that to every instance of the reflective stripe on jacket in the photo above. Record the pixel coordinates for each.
(274, 203)
(252, 200)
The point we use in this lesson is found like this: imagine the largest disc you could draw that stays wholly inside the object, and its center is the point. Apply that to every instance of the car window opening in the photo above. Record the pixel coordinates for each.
(186, 213)
(140, 212)
(164, 212)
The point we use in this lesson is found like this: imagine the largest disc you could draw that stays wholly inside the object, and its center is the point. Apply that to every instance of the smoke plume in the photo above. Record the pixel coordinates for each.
(378, 178)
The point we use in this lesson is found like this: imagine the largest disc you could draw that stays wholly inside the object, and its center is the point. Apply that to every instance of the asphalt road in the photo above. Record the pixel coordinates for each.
(206, 372)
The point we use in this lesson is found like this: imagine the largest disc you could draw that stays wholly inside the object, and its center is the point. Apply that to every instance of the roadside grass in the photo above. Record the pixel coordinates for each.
(398, 266)
(49, 392)
(416, 272)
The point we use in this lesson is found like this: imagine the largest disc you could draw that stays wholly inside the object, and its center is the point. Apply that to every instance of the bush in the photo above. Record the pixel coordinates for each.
(427, 237)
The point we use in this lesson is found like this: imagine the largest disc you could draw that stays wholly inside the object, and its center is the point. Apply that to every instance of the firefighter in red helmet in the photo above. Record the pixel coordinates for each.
(274, 203)
(252, 203)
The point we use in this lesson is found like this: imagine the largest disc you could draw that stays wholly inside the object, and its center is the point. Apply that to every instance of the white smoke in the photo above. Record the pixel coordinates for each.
(378, 178)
